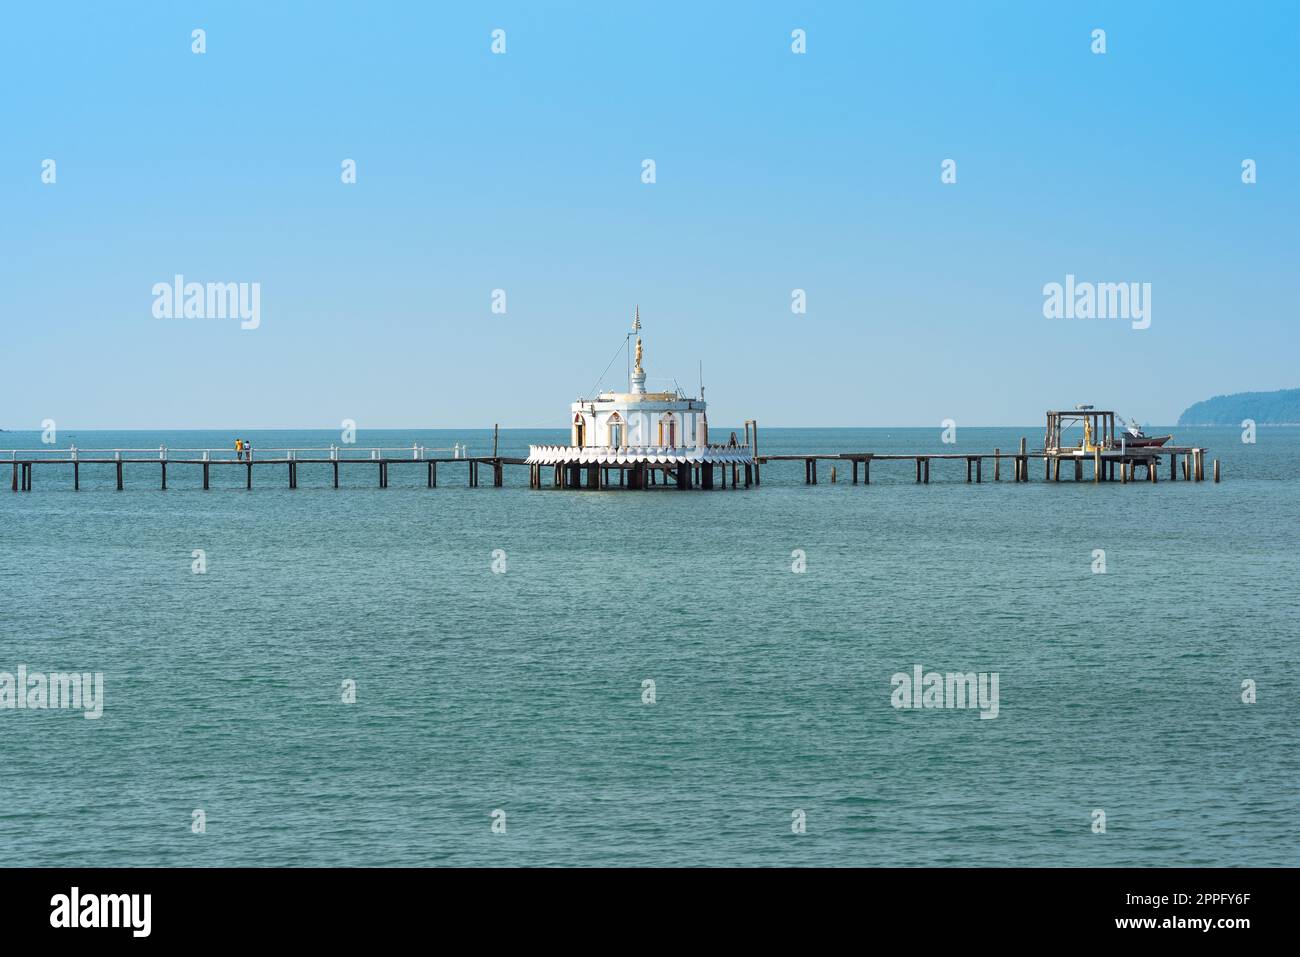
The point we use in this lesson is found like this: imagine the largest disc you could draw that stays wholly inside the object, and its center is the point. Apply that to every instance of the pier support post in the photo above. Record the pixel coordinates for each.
(866, 471)
(855, 471)
(748, 470)
(335, 463)
(918, 470)
(927, 471)
(1024, 461)
(1173, 467)
(968, 464)
(997, 465)
(1216, 471)
(1154, 472)
(119, 475)
(979, 470)
(76, 475)
(15, 488)
(1096, 465)
(164, 476)
(205, 476)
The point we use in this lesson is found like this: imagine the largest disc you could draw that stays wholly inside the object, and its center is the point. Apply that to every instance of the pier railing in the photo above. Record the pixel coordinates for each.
(166, 453)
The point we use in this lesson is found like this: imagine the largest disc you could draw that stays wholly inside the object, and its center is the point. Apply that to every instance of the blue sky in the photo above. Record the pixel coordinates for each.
(522, 172)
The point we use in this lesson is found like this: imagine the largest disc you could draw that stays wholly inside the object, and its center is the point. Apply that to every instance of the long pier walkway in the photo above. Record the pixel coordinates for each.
(24, 461)
(1105, 465)
(1099, 465)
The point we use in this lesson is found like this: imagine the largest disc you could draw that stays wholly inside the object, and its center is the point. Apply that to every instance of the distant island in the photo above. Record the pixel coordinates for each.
(1265, 408)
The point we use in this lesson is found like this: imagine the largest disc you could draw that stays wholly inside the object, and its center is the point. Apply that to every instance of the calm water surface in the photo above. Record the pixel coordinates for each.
(522, 691)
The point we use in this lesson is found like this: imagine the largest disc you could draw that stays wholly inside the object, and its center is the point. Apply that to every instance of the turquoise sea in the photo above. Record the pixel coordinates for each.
(523, 691)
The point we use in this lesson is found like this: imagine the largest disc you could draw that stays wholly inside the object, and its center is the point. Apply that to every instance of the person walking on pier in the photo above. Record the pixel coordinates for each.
(239, 449)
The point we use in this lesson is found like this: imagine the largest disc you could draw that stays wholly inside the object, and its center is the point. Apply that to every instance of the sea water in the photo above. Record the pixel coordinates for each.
(645, 678)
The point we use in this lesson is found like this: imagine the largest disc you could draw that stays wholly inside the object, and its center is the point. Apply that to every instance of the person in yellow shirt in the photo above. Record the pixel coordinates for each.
(239, 449)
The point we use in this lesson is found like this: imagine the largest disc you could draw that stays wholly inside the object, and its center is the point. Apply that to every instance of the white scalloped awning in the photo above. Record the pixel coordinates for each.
(630, 455)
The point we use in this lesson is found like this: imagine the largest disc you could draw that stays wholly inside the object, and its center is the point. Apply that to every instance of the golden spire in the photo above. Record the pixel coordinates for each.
(636, 327)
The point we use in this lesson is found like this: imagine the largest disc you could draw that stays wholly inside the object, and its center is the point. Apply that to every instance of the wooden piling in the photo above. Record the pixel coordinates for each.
(119, 475)
(1216, 471)
(979, 470)
(832, 475)
(164, 475)
(205, 476)
(76, 475)
(15, 485)
(927, 471)
(249, 483)
(997, 465)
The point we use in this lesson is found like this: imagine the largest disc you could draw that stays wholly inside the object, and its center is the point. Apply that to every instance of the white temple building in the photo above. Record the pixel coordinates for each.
(634, 438)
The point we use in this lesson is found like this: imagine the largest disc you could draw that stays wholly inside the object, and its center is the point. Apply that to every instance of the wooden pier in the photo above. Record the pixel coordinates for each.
(24, 461)
(1095, 466)
(1185, 462)
(1097, 462)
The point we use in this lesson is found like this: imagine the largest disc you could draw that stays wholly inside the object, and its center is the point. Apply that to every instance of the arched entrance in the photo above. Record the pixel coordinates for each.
(668, 430)
(579, 430)
(617, 431)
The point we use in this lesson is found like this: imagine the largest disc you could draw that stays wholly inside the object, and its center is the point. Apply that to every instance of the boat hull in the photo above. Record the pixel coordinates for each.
(1146, 442)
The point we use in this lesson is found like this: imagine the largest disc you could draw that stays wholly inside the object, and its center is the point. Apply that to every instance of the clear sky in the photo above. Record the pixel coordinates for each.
(523, 172)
